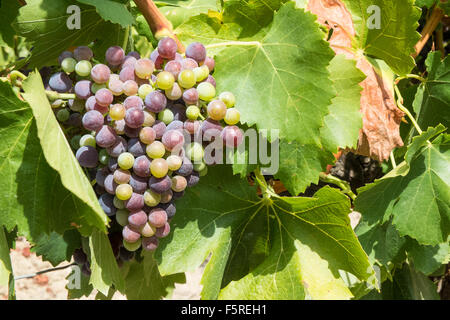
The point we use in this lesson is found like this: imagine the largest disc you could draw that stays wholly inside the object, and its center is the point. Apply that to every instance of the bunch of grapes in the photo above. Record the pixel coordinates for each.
(140, 127)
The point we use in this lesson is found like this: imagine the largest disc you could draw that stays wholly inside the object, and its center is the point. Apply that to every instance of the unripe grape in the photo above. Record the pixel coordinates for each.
(179, 183)
(232, 116)
(217, 110)
(144, 90)
(151, 198)
(68, 65)
(165, 80)
(122, 217)
(206, 91)
(193, 112)
(174, 162)
(156, 150)
(148, 230)
(132, 246)
(186, 79)
(124, 191)
(159, 168)
(83, 68)
(195, 152)
(117, 112)
(147, 135)
(165, 116)
(125, 161)
(201, 73)
(228, 98)
(88, 140)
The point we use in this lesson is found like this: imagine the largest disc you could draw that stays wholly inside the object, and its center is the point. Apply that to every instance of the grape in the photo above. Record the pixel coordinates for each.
(192, 126)
(60, 82)
(133, 102)
(134, 117)
(211, 129)
(139, 184)
(201, 73)
(144, 68)
(86, 270)
(191, 96)
(134, 54)
(130, 88)
(110, 185)
(117, 112)
(95, 87)
(186, 168)
(174, 162)
(186, 79)
(150, 244)
(155, 101)
(124, 191)
(106, 137)
(173, 139)
(87, 157)
(131, 132)
(129, 61)
(112, 164)
(217, 110)
(167, 48)
(83, 68)
(132, 246)
(159, 168)
(157, 59)
(179, 112)
(63, 115)
(135, 203)
(125, 255)
(76, 105)
(88, 140)
(119, 204)
(115, 55)
(122, 217)
(160, 185)
(68, 65)
(188, 63)
(203, 172)
(210, 63)
(79, 256)
(177, 195)
(121, 176)
(163, 232)
(179, 183)
(144, 90)
(100, 176)
(151, 198)
(106, 202)
(91, 104)
(228, 98)
(170, 207)
(75, 141)
(131, 234)
(174, 93)
(232, 136)
(155, 150)
(175, 125)
(166, 197)
(119, 126)
(126, 74)
(136, 147)
(211, 80)
(157, 217)
(120, 146)
(199, 166)
(83, 53)
(165, 80)
(147, 135)
(64, 55)
(196, 51)
(232, 116)
(104, 97)
(125, 160)
(206, 91)
(193, 179)
(57, 103)
(115, 86)
(166, 116)
(92, 120)
(174, 67)
(194, 151)
(147, 230)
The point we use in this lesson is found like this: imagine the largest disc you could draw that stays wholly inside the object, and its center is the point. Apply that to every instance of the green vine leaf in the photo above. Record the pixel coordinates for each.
(56, 248)
(286, 248)
(428, 259)
(112, 11)
(5, 260)
(179, 11)
(8, 12)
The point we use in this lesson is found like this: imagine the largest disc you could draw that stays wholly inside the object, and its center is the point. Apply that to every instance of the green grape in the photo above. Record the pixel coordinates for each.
(199, 166)
(232, 116)
(83, 68)
(132, 246)
(192, 112)
(117, 112)
(174, 162)
(206, 91)
(186, 79)
(201, 73)
(125, 161)
(165, 80)
(68, 65)
(124, 191)
(103, 156)
(166, 116)
(75, 141)
(144, 90)
(87, 140)
(57, 103)
(156, 150)
(63, 115)
(203, 172)
(148, 230)
(119, 204)
(228, 98)
(194, 151)
(122, 217)
(149, 118)
(159, 168)
(151, 198)
(96, 86)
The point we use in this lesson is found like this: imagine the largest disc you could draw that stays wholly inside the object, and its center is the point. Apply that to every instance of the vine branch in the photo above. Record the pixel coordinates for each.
(32, 275)
(430, 26)
(345, 186)
(405, 110)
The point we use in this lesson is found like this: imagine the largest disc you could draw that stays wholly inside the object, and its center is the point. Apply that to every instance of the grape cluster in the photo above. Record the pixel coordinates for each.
(132, 124)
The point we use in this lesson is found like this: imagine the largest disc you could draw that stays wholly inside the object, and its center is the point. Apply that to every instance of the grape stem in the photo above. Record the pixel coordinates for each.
(32, 275)
(14, 75)
(266, 190)
(345, 186)
(53, 95)
(405, 110)
(158, 23)
(430, 26)
(410, 76)
(233, 43)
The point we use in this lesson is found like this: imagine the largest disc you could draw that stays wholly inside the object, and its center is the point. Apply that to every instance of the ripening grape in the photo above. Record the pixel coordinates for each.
(192, 126)
(201, 73)
(115, 55)
(119, 204)
(151, 198)
(92, 120)
(87, 157)
(206, 91)
(124, 191)
(131, 234)
(100, 73)
(179, 183)
(232, 136)
(179, 111)
(104, 97)
(166, 197)
(129, 61)
(193, 179)
(125, 161)
(64, 55)
(134, 117)
(100, 176)
(106, 202)
(139, 184)
(115, 86)
(131, 132)
(122, 217)
(228, 98)
(166, 116)
(232, 116)
(144, 90)
(217, 110)
(106, 137)
(160, 185)
(87, 140)
(83, 68)
(132, 246)
(109, 184)
(190, 96)
(144, 68)
(130, 88)
(148, 230)
(157, 217)
(141, 166)
(188, 63)
(112, 164)
(126, 74)
(119, 126)
(135, 203)
(121, 176)
(63, 115)
(210, 63)
(186, 79)
(174, 162)
(157, 59)
(156, 150)
(150, 244)
(68, 65)
(210, 80)
(159, 168)
(155, 101)
(174, 67)
(136, 147)
(91, 104)
(117, 111)
(147, 135)
(163, 232)
(60, 82)
(173, 139)
(196, 51)
(133, 102)
(174, 93)
(193, 112)
(175, 125)
(137, 219)
(74, 120)
(83, 53)
(167, 48)
(186, 168)
(118, 147)
(194, 151)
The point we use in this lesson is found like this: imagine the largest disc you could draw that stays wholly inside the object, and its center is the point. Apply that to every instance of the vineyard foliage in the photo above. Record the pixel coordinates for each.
(320, 73)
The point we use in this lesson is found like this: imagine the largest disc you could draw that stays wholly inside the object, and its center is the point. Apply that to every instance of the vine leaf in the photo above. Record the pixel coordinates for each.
(286, 248)
(428, 259)
(416, 196)
(57, 151)
(8, 12)
(179, 11)
(5, 260)
(51, 207)
(112, 11)
(56, 248)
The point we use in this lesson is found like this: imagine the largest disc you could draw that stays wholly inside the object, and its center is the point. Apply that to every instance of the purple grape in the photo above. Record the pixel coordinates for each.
(188, 63)
(87, 157)
(192, 126)
(133, 102)
(135, 203)
(104, 97)
(129, 61)
(106, 202)
(190, 96)
(211, 129)
(91, 104)
(60, 82)
(139, 184)
(106, 137)
(193, 179)
(115, 55)
(131, 234)
(101, 175)
(160, 185)
(186, 168)
(167, 48)
(141, 166)
(150, 244)
(120, 146)
(136, 147)
(74, 120)
(83, 89)
(64, 55)
(127, 73)
(176, 196)
(119, 126)
(169, 208)
(211, 80)
(232, 136)
(92, 120)
(100, 73)
(110, 184)
(155, 101)
(134, 117)
(125, 255)
(157, 217)
(83, 53)
(160, 128)
(175, 125)
(99, 190)
(121, 176)
(132, 132)
(134, 54)
(112, 164)
(79, 256)
(196, 51)
(137, 218)
(179, 112)
(210, 63)
(166, 197)
(157, 59)
(173, 139)
(174, 67)
(163, 231)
